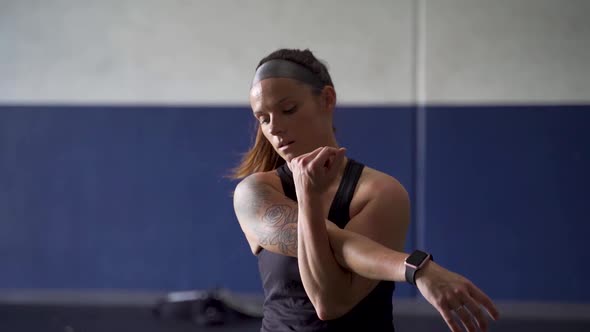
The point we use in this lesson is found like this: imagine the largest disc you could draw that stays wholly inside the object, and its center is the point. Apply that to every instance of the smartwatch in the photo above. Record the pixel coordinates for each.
(414, 263)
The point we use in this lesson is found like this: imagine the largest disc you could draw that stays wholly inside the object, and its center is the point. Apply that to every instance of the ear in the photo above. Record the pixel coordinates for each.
(329, 97)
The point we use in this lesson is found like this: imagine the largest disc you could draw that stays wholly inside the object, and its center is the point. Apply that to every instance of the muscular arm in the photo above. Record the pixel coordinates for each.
(269, 220)
(323, 278)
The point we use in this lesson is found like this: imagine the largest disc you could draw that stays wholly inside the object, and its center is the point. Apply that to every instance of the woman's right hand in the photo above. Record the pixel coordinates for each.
(314, 171)
(454, 297)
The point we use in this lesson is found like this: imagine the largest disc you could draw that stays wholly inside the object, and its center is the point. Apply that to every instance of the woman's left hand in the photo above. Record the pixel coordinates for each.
(455, 296)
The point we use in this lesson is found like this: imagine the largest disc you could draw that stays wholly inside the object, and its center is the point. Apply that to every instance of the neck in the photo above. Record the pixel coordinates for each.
(329, 141)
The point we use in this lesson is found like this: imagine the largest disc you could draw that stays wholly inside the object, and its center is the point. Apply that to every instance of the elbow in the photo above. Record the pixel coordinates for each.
(330, 310)
(326, 315)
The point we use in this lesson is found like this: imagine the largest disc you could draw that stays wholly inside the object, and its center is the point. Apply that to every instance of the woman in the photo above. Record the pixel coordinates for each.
(328, 231)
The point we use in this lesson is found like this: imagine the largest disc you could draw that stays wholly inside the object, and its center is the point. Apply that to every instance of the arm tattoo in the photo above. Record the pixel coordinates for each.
(276, 223)
(279, 227)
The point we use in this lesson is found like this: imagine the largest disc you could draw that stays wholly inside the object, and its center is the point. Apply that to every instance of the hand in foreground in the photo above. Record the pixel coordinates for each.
(314, 171)
(457, 299)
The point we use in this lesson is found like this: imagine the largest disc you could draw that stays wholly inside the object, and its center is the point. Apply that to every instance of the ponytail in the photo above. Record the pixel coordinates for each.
(260, 158)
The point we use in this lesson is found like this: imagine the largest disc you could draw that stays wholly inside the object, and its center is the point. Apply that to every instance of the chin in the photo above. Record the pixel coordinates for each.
(283, 155)
(287, 156)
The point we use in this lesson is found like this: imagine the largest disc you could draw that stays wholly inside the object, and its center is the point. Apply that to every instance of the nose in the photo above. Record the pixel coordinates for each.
(275, 126)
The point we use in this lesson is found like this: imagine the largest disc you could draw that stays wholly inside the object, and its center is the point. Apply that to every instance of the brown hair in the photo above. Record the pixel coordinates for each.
(262, 157)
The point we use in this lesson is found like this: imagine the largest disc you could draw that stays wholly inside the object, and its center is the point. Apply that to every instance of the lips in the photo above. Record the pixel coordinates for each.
(285, 144)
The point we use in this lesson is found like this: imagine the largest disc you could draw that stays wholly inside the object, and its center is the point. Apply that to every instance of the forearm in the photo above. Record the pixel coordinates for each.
(324, 279)
(272, 221)
(365, 256)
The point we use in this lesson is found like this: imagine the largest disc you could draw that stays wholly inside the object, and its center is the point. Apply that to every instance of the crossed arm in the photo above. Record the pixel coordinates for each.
(368, 250)
(350, 263)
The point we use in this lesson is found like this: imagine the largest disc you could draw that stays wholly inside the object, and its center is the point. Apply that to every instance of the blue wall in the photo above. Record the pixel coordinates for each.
(135, 197)
(507, 196)
(123, 197)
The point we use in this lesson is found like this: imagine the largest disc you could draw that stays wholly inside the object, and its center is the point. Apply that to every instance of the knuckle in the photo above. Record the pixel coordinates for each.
(461, 289)
(451, 294)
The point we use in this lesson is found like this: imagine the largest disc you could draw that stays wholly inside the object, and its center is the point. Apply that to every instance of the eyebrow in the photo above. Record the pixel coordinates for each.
(277, 103)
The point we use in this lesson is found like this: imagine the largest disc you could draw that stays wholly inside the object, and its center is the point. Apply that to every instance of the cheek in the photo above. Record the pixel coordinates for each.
(315, 122)
(266, 134)
(309, 118)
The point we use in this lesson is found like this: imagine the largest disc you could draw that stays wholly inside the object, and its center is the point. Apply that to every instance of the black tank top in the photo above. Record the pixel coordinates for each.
(288, 308)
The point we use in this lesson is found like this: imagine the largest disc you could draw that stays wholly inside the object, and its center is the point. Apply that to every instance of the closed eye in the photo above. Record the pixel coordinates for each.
(290, 110)
(264, 119)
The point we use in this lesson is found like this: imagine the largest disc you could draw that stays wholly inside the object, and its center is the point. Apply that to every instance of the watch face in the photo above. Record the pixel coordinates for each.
(416, 258)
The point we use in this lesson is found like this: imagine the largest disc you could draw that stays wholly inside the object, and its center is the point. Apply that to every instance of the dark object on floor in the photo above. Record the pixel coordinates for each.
(207, 308)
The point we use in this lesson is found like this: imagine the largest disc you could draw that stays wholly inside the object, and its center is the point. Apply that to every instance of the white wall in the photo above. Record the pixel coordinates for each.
(507, 51)
(198, 52)
(204, 52)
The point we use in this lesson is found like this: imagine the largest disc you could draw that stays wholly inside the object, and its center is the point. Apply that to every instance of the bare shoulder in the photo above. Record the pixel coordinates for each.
(375, 184)
(253, 190)
(382, 208)
(383, 191)
(255, 181)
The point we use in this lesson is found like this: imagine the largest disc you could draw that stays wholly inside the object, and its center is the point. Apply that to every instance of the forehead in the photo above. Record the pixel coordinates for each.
(271, 91)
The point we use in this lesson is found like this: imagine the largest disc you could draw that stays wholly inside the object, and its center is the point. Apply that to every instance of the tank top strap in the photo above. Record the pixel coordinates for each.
(340, 208)
(286, 177)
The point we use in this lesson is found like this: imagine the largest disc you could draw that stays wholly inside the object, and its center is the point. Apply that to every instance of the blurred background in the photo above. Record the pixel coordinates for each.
(120, 120)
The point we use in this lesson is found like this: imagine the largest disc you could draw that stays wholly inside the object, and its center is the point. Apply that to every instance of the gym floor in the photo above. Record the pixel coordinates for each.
(49, 318)
(126, 312)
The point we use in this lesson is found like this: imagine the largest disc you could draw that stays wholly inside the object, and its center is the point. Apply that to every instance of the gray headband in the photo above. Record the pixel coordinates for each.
(286, 69)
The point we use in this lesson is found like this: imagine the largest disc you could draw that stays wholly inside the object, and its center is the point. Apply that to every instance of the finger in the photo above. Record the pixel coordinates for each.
(315, 151)
(322, 158)
(450, 320)
(466, 318)
(482, 298)
(336, 161)
(312, 155)
(477, 312)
